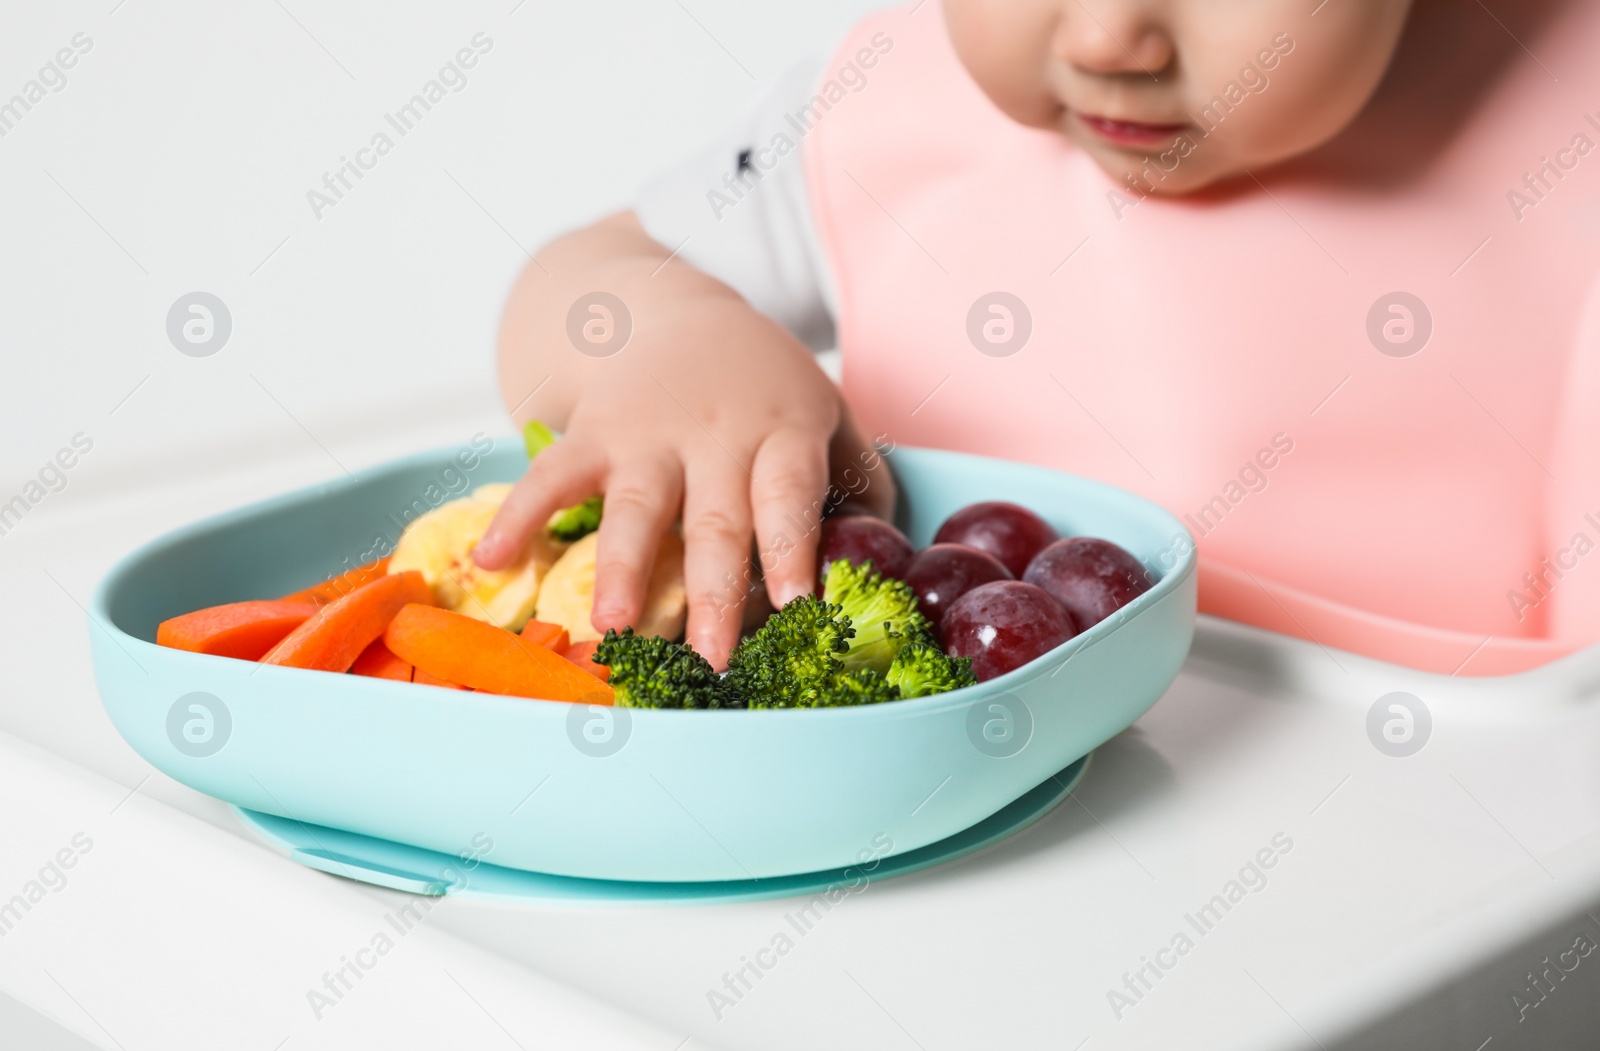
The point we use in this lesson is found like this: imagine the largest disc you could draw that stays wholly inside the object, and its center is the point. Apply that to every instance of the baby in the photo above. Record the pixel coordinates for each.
(1317, 277)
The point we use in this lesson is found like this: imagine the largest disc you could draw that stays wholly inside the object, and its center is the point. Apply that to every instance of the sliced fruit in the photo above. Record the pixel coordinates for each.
(567, 595)
(244, 630)
(439, 546)
(335, 636)
(341, 585)
(473, 653)
(378, 663)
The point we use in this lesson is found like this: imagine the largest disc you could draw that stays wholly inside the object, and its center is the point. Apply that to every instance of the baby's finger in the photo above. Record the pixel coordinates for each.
(716, 537)
(563, 474)
(789, 480)
(859, 469)
(641, 502)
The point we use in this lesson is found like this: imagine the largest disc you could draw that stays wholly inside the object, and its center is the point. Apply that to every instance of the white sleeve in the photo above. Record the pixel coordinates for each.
(738, 210)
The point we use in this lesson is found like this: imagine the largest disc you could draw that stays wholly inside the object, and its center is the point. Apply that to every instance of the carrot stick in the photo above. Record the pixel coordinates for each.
(488, 658)
(422, 678)
(244, 630)
(377, 662)
(582, 654)
(341, 585)
(335, 637)
(550, 636)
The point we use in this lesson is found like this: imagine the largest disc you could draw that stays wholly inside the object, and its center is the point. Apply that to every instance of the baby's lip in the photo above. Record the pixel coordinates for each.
(1122, 132)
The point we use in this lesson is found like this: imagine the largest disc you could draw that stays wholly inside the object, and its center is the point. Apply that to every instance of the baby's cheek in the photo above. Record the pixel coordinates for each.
(1005, 49)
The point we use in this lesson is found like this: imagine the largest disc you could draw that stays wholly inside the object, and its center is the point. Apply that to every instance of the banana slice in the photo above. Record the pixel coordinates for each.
(492, 493)
(567, 595)
(439, 545)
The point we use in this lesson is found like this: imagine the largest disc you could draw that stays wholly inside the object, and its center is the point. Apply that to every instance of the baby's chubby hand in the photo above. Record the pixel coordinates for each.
(710, 412)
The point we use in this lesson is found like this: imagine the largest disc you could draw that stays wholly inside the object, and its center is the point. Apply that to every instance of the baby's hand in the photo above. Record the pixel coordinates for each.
(710, 409)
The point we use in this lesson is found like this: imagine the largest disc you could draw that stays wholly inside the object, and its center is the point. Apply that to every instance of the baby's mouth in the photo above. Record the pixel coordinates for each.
(1127, 133)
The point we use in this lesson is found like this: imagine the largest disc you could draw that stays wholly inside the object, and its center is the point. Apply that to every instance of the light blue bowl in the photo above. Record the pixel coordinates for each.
(625, 795)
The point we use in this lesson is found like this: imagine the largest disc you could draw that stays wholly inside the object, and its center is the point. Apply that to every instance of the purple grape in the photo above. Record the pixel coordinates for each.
(1092, 578)
(942, 573)
(1010, 533)
(860, 538)
(1003, 625)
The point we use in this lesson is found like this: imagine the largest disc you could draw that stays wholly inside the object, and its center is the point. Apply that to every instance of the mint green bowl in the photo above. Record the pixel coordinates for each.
(616, 794)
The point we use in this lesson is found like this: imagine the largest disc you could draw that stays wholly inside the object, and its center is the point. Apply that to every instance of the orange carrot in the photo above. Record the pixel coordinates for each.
(377, 662)
(543, 633)
(343, 584)
(422, 678)
(582, 654)
(335, 637)
(488, 658)
(244, 630)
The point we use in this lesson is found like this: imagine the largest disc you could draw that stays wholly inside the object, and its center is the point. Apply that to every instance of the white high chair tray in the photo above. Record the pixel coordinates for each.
(1409, 899)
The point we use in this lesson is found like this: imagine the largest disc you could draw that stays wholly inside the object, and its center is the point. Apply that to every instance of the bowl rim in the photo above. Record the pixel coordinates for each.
(1169, 582)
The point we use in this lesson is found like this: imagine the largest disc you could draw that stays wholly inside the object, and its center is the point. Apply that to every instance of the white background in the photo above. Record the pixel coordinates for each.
(179, 155)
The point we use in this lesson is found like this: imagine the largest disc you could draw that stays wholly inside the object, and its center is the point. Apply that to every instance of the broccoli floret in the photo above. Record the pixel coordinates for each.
(536, 438)
(577, 521)
(921, 668)
(792, 661)
(570, 523)
(796, 660)
(651, 672)
(883, 611)
(861, 686)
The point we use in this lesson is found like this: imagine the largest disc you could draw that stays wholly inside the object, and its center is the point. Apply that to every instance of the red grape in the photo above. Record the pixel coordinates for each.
(942, 573)
(1003, 625)
(1092, 578)
(859, 538)
(1010, 533)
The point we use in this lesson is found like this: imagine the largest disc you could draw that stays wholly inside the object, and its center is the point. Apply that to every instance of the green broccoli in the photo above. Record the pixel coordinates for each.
(651, 672)
(796, 661)
(882, 610)
(921, 668)
(792, 660)
(577, 521)
(536, 438)
(861, 686)
(570, 523)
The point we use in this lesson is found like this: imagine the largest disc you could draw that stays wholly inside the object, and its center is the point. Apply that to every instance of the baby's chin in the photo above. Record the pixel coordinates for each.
(1175, 169)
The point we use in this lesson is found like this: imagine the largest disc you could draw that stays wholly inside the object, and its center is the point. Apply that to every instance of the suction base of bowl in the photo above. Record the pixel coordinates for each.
(399, 867)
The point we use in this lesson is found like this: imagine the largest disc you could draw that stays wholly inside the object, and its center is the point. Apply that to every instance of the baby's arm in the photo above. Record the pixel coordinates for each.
(710, 407)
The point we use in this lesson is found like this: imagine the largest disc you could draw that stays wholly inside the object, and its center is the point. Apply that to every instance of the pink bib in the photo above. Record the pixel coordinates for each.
(1371, 391)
